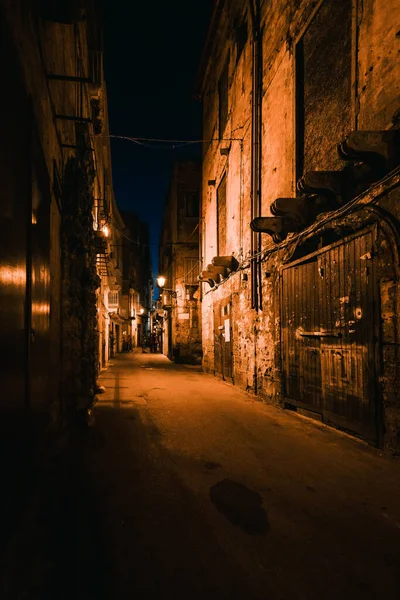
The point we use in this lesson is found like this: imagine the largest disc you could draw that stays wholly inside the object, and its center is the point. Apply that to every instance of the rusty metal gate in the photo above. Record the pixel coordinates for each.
(223, 359)
(329, 334)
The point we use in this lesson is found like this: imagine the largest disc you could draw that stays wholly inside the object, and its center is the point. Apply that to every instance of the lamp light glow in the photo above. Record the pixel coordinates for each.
(161, 281)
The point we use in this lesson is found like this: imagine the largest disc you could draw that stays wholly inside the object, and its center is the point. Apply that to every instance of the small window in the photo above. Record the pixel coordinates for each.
(221, 217)
(223, 99)
(192, 204)
(112, 298)
(241, 35)
(188, 203)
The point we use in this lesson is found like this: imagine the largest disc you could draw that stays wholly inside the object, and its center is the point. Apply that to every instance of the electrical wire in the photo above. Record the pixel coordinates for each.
(132, 240)
(169, 144)
(172, 141)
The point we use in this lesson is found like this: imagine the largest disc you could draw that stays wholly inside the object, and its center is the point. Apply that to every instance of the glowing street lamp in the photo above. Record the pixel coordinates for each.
(161, 282)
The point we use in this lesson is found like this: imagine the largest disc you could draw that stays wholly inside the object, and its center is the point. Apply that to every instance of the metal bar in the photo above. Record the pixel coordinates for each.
(320, 334)
(55, 77)
(69, 118)
(74, 147)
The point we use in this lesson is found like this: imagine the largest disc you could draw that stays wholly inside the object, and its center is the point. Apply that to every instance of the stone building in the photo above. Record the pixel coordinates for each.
(179, 265)
(300, 208)
(137, 285)
(56, 202)
(109, 227)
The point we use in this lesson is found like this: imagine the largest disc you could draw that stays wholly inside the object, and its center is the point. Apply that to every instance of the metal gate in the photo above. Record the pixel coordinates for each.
(329, 334)
(223, 359)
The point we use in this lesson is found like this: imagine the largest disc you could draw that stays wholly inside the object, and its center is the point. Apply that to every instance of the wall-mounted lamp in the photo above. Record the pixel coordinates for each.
(161, 282)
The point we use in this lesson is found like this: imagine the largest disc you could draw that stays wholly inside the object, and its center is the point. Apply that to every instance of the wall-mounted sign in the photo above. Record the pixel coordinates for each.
(227, 324)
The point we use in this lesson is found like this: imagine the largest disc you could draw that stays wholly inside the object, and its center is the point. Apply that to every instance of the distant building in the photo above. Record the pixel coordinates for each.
(137, 285)
(109, 227)
(301, 208)
(179, 264)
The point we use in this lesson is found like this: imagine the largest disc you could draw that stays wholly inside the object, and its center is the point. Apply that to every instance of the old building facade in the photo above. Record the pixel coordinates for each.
(300, 208)
(58, 219)
(137, 287)
(179, 265)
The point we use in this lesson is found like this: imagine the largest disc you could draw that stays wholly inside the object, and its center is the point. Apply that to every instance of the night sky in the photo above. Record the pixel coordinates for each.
(152, 53)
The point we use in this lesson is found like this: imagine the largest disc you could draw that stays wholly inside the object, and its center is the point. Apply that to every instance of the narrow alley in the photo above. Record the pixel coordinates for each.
(189, 488)
(200, 290)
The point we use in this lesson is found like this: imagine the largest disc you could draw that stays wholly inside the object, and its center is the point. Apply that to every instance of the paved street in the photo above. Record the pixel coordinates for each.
(185, 487)
(204, 492)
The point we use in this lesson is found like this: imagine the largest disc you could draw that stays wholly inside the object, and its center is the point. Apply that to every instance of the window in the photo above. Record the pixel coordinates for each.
(323, 87)
(188, 203)
(191, 270)
(192, 204)
(241, 35)
(112, 299)
(223, 99)
(221, 217)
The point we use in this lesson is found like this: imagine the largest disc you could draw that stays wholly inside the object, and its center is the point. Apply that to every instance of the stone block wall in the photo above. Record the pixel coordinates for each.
(303, 118)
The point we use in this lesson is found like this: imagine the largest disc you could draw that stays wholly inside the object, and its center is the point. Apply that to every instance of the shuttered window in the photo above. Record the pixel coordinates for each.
(221, 217)
(223, 99)
(191, 266)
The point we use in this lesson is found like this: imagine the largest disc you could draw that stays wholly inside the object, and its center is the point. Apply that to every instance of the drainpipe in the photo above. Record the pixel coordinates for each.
(254, 6)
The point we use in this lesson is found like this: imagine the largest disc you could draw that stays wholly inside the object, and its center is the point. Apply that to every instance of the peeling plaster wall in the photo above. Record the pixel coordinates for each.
(373, 99)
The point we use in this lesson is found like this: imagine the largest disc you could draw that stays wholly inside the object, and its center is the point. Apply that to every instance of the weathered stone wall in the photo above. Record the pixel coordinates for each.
(179, 258)
(389, 298)
(377, 81)
(186, 315)
(369, 79)
(80, 281)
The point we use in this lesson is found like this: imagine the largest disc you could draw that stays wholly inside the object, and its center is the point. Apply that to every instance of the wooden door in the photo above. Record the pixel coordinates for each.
(329, 335)
(223, 357)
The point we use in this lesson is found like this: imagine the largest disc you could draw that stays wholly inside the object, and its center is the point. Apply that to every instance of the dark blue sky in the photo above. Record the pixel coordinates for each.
(152, 52)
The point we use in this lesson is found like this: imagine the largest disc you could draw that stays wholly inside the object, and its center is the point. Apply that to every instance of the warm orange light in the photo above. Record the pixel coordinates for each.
(40, 308)
(105, 230)
(161, 281)
(12, 276)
